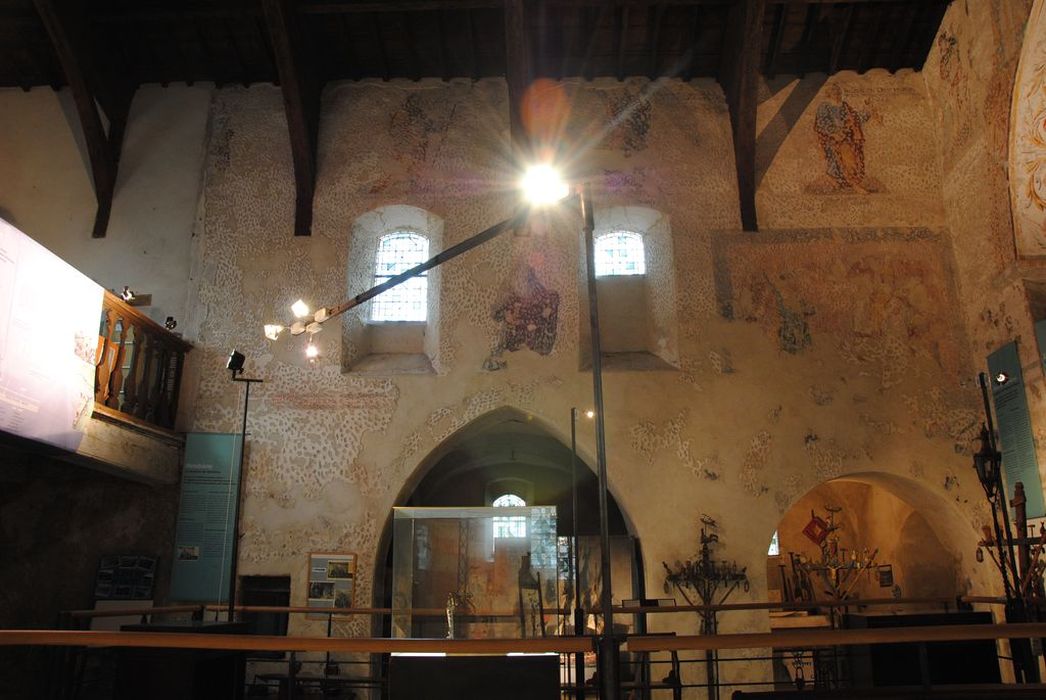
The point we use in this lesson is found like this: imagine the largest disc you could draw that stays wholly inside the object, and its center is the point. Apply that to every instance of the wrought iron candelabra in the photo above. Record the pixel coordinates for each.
(706, 577)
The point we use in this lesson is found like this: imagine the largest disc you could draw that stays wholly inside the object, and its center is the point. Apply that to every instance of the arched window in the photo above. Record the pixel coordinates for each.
(775, 546)
(398, 252)
(509, 525)
(620, 253)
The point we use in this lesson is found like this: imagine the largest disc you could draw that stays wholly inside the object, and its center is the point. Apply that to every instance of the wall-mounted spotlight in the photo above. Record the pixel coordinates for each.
(300, 309)
(170, 324)
(590, 414)
(127, 295)
(1001, 378)
(311, 351)
(235, 363)
(273, 330)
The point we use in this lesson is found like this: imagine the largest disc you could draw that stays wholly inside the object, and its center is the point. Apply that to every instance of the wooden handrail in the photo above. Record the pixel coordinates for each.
(245, 642)
(118, 612)
(618, 610)
(560, 645)
(138, 366)
(827, 637)
(853, 603)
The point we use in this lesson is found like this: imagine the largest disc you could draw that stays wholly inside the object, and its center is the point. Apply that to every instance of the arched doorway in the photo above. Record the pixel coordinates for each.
(508, 452)
(878, 525)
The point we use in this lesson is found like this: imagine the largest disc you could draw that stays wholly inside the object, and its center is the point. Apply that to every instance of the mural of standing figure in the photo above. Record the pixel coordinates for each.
(840, 132)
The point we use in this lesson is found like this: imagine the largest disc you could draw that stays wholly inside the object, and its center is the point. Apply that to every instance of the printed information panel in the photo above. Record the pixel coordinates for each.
(49, 319)
(1013, 420)
(203, 538)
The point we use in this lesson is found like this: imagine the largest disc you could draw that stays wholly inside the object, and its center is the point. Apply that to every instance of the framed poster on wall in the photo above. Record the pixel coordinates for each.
(332, 580)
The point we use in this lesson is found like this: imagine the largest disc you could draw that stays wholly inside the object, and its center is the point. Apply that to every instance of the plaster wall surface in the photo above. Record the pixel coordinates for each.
(46, 188)
(829, 344)
(970, 74)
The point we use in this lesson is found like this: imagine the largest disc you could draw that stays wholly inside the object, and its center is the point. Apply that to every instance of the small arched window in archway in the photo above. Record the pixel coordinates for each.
(775, 546)
(397, 253)
(509, 525)
(619, 253)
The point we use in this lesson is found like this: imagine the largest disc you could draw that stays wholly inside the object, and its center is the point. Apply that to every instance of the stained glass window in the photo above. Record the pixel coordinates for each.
(620, 253)
(398, 252)
(510, 525)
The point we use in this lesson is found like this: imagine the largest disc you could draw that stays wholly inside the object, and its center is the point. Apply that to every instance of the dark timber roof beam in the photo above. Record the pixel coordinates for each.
(518, 71)
(739, 76)
(67, 32)
(301, 99)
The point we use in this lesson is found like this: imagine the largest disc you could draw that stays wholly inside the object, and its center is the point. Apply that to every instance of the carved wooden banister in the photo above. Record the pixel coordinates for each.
(139, 368)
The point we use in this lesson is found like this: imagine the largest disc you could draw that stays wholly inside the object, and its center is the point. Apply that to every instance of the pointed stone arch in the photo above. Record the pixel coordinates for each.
(506, 444)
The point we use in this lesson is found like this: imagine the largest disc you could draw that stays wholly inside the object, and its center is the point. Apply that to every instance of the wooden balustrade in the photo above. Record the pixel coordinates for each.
(139, 366)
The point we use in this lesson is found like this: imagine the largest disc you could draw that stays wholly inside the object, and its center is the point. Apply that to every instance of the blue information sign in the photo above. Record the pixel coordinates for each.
(1019, 462)
(203, 537)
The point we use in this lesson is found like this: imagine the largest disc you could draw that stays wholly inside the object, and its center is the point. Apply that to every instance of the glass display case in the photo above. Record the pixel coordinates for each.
(480, 573)
(474, 573)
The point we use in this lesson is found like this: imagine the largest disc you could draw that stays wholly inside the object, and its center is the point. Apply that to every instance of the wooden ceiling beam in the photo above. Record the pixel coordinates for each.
(412, 46)
(301, 100)
(739, 76)
(696, 20)
(619, 41)
(806, 54)
(90, 89)
(842, 38)
(780, 20)
(470, 45)
(518, 72)
(656, 17)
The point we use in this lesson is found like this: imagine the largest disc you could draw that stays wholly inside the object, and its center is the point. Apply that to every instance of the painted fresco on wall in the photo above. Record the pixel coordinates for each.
(1028, 140)
(840, 133)
(879, 293)
(527, 319)
(628, 116)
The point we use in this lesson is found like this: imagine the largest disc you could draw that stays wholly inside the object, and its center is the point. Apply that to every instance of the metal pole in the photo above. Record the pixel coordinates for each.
(239, 496)
(579, 615)
(608, 667)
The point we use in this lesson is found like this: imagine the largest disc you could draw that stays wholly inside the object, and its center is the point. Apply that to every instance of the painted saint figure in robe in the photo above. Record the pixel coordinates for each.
(840, 132)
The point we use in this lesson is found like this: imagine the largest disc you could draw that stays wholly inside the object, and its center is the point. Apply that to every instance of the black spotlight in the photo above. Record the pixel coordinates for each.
(235, 364)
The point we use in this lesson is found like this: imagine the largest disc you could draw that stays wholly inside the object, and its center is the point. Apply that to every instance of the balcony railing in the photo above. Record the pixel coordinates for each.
(139, 368)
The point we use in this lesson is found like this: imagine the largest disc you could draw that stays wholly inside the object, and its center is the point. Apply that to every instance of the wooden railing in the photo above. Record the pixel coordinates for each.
(139, 367)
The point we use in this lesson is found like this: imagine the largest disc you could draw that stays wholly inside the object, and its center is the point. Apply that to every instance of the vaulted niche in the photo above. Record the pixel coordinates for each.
(636, 287)
(502, 458)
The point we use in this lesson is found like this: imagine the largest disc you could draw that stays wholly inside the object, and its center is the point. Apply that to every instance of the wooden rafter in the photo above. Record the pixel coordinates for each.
(739, 76)
(90, 90)
(780, 20)
(301, 100)
(656, 18)
(842, 38)
(518, 71)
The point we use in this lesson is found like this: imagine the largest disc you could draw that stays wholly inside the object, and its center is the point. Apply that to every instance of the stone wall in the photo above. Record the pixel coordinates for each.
(56, 523)
(828, 344)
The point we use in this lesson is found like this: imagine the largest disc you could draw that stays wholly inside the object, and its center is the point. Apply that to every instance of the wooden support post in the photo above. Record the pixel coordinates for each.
(69, 36)
(301, 100)
(739, 76)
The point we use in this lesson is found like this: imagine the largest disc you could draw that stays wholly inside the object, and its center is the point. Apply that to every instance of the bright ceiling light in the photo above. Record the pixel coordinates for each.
(272, 331)
(542, 184)
(311, 351)
(300, 309)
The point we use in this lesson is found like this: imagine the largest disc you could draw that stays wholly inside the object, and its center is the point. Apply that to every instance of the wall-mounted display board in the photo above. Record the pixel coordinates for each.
(1013, 421)
(332, 580)
(203, 536)
(49, 319)
(125, 577)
